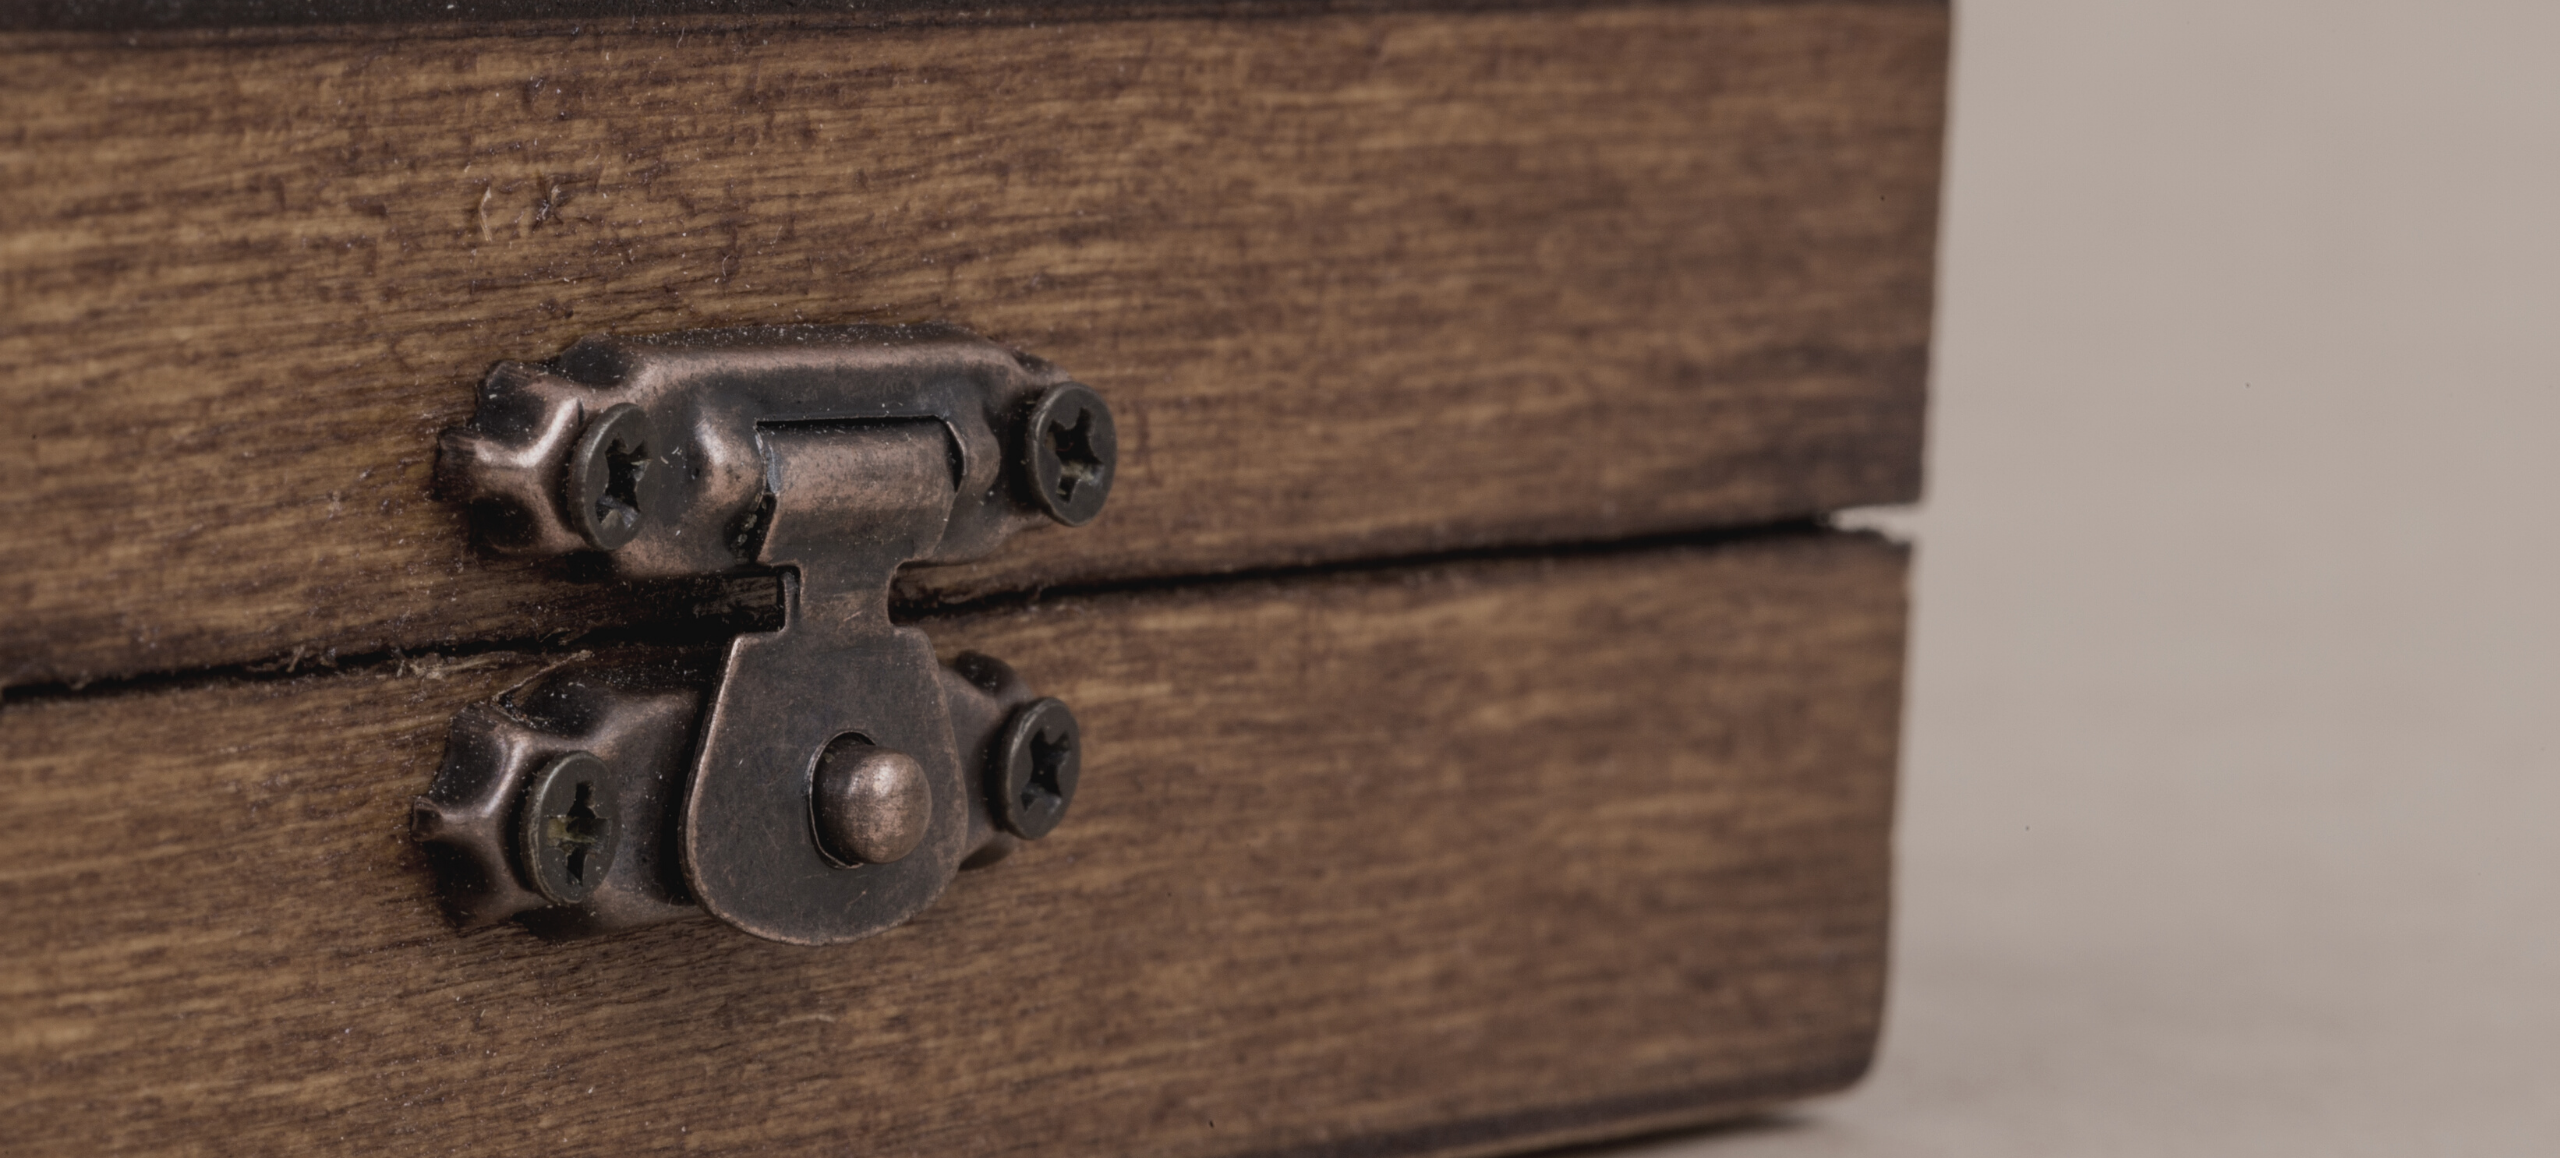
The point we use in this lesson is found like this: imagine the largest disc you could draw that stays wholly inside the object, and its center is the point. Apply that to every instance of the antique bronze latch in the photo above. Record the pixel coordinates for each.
(815, 783)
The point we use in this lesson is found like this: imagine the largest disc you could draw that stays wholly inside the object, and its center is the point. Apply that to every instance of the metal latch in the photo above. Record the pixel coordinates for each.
(814, 783)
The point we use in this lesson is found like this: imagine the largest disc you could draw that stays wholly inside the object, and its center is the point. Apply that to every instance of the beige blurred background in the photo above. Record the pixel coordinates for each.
(2233, 750)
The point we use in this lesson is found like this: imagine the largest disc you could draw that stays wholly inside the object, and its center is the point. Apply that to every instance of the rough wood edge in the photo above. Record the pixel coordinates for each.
(43, 25)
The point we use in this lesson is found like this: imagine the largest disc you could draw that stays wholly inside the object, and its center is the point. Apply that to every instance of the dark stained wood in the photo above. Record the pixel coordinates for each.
(1439, 860)
(237, 20)
(1359, 285)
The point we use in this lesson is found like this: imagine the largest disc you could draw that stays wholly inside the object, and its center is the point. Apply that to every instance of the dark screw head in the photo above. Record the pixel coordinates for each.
(1071, 453)
(872, 805)
(1033, 776)
(569, 828)
(610, 476)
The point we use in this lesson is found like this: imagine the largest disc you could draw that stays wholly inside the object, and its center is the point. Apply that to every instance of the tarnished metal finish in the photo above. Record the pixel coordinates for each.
(612, 474)
(638, 722)
(871, 805)
(708, 395)
(641, 718)
(569, 827)
(836, 776)
(1070, 453)
(511, 462)
(1033, 777)
(983, 694)
(858, 506)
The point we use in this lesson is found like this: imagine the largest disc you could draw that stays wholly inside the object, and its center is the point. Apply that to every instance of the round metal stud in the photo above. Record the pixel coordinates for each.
(1072, 451)
(609, 475)
(569, 828)
(871, 804)
(1033, 776)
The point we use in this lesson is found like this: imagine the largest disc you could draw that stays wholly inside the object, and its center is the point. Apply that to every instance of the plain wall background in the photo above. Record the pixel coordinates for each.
(2229, 805)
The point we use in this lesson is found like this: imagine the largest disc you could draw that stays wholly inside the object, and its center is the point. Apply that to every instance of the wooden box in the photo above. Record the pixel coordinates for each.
(1490, 744)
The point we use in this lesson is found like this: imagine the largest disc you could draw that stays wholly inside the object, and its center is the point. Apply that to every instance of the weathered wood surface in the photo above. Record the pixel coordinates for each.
(1438, 860)
(1360, 285)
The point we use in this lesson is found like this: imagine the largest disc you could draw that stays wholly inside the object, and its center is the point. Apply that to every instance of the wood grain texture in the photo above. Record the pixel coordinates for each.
(1360, 285)
(1442, 860)
(237, 21)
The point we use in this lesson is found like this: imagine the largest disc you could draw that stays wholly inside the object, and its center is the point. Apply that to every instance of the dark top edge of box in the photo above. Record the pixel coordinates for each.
(572, 15)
